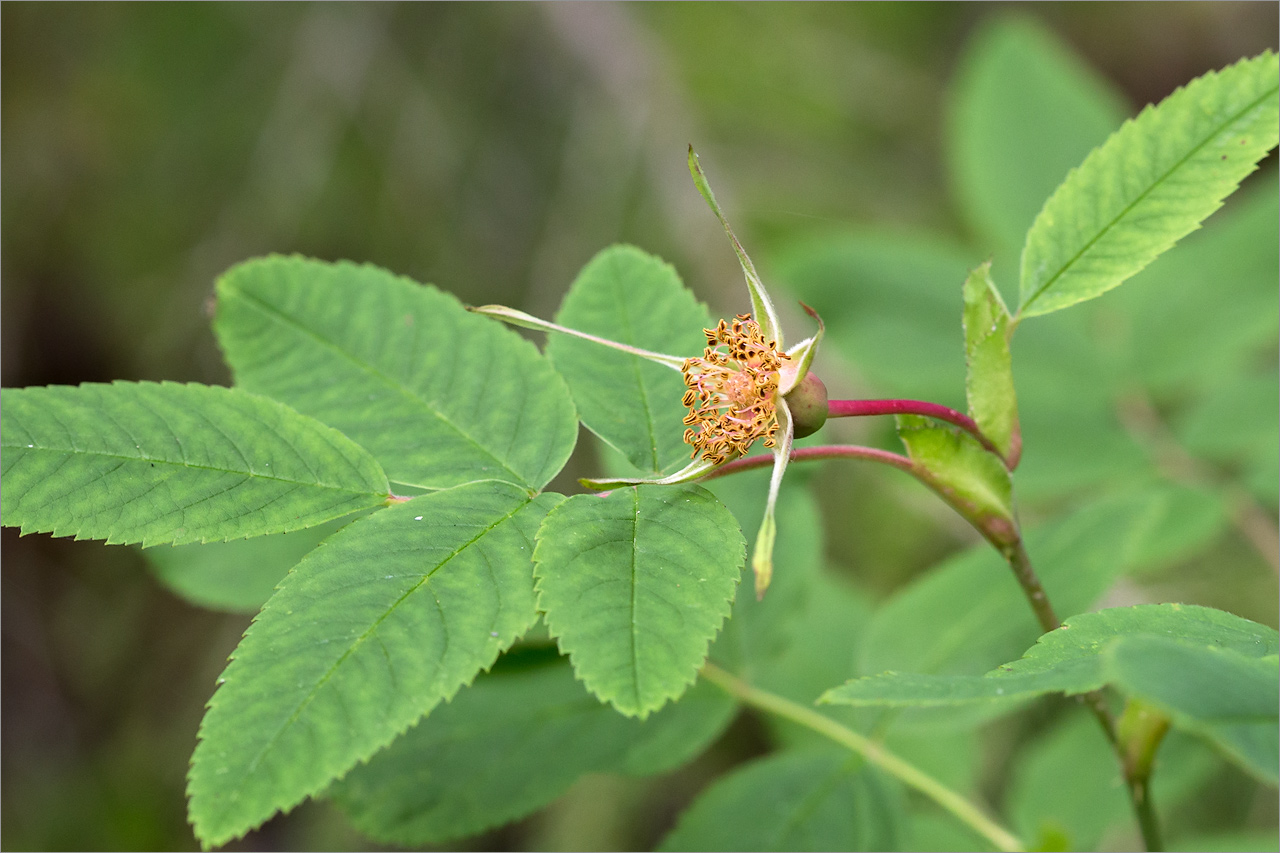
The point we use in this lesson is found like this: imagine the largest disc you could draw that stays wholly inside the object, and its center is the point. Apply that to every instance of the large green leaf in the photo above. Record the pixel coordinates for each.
(141, 462)
(824, 800)
(508, 745)
(438, 395)
(1071, 659)
(370, 631)
(1150, 184)
(629, 296)
(634, 586)
(1025, 110)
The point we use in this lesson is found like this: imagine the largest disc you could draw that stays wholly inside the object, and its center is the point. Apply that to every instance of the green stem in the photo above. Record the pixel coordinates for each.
(871, 751)
(1137, 773)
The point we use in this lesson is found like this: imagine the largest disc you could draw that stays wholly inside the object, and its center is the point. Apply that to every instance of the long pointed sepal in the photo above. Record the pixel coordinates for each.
(692, 471)
(762, 554)
(761, 306)
(528, 321)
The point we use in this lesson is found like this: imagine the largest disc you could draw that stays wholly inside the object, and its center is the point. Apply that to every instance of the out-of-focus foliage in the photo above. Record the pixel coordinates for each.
(493, 150)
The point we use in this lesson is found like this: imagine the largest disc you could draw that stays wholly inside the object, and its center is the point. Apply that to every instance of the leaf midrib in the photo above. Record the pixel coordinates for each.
(1150, 189)
(187, 466)
(390, 381)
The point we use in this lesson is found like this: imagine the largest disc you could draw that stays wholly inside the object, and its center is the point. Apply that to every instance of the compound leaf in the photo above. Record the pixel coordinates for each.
(438, 395)
(146, 462)
(1150, 184)
(370, 631)
(635, 585)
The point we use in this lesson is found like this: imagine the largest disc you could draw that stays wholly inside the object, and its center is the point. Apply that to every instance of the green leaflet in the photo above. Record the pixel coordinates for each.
(824, 800)
(141, 462)
(635, 585)
(629, 296)
(369, 632)
(439, 396)
(1025, 110)
(1068, 660)
(1149, 185)
(988, 383)
(1212, 673)
(508, 745)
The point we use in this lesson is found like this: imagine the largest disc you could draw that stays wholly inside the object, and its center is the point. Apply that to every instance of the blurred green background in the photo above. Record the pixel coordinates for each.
(490, 149)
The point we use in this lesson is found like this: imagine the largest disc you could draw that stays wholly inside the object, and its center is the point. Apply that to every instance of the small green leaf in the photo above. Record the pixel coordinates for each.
(438, 395)
(1025, 109)
(635, 585)
(988, 384)
(1215, 689)
(794, 801)
(635, 405)
(1212, 673)
(971, 477)
(239, 575)
(141, 462)
(1150, 184)
(370, 631)
(508, 745)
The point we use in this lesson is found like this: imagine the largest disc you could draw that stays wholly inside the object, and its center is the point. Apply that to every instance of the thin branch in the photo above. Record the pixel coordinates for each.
(871, 751)
(862, 408)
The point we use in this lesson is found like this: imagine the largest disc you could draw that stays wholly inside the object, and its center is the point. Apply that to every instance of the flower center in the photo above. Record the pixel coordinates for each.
(732, 391)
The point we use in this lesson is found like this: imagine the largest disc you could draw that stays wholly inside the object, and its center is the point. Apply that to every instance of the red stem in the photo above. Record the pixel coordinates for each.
(860, 408)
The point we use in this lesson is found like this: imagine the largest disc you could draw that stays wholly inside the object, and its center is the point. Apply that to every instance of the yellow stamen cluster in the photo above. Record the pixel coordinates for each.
(731, 396)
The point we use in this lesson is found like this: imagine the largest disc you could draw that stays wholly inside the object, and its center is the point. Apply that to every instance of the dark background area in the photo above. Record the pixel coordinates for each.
(490, 149)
